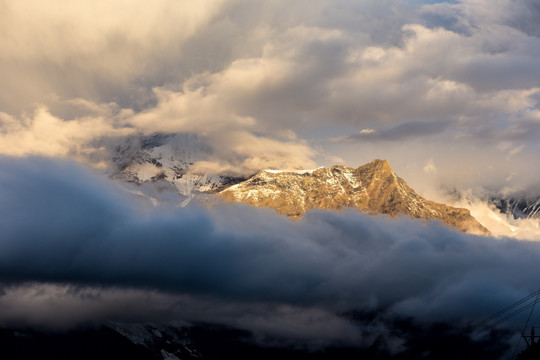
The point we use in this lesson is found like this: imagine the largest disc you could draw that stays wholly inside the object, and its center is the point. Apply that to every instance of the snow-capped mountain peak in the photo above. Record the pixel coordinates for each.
(165, 163)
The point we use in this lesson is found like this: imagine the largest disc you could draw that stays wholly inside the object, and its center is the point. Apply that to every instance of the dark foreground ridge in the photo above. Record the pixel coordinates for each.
(404, 339)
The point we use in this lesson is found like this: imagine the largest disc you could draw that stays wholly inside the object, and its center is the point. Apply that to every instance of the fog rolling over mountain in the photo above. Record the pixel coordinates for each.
(174, 169)
(165, 164)
(373, 188)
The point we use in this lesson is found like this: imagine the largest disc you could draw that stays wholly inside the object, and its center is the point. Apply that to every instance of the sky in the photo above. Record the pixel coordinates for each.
(447, 91)
(451, 84)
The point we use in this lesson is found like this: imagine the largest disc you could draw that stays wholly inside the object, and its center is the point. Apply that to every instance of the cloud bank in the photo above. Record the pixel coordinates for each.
(77, 248)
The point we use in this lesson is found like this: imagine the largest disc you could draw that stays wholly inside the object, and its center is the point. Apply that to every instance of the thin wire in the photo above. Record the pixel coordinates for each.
(529, 318)
(523, 330)
(506, 317)
(508, 308)
(516, 347)
(536, 319)
(491, 326)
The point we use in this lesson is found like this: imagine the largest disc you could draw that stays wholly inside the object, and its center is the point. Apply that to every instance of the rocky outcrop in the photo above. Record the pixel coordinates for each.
(373, 188)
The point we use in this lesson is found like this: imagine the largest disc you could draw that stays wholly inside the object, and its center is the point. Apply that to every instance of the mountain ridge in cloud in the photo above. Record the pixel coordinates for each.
(371, 188)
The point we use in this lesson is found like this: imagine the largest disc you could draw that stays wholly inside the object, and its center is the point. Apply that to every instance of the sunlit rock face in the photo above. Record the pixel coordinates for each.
(373, 188)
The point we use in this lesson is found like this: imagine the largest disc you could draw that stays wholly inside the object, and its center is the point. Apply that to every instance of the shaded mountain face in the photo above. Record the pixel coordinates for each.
(518, 207)
(164, 163)
(373, 188)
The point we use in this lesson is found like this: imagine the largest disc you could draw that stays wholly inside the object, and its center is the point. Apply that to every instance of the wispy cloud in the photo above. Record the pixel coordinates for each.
(398, 133)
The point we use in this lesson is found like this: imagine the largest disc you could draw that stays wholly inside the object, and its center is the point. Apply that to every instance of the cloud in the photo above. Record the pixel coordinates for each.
(69, 53)
(526, 12)
(398, 133)
(500, 224)
(45, 134)
(263, 85)
(430, 167)
(278, 75)
(68, 228)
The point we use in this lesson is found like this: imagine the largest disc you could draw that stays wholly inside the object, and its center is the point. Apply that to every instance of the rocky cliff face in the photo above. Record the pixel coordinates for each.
(373, 188)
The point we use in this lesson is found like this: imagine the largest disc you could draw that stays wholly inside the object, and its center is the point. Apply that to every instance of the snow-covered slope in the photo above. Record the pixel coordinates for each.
(499, 223)
(518, 207)
(164, 163)
(501, 213)
(372, 188)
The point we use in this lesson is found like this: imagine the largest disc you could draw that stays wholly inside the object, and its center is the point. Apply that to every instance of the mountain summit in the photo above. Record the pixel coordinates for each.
(372, 188)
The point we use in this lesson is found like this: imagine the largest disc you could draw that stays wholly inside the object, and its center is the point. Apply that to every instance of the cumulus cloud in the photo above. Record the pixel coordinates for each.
(281, 75)
(65, 227)
(101, 51)
(42, 133)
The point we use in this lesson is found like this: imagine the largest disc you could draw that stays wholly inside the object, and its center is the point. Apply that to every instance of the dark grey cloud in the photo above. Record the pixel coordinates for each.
(526, 19)
(399, 133)
(522, 131)
(62, 225)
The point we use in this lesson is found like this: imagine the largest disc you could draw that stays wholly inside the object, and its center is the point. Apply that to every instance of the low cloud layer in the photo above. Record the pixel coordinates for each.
(75, 243)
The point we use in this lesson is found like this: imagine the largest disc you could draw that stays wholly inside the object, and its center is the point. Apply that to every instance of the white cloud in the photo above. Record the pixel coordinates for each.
(430, 167)
(283, 77)
(367, 131)
(98, 50)
(45, 134)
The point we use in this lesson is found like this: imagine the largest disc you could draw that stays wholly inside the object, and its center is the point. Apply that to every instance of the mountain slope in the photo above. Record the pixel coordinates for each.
(373, 188)
(164, 162)
(518, 207)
